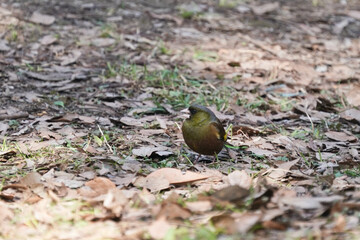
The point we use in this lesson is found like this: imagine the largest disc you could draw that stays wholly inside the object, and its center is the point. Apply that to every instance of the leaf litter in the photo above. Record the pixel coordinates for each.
(91, 115)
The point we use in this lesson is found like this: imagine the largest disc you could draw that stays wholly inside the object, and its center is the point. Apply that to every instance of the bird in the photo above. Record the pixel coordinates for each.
(203, 131)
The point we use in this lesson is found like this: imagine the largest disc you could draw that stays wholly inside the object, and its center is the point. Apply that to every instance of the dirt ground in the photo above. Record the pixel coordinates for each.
(92, 99)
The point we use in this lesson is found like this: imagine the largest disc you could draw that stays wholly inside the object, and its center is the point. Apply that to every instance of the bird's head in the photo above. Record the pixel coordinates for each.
(199, 113)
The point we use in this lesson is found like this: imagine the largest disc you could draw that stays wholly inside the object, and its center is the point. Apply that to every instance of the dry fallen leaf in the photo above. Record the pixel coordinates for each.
(176, 176)
(173, 211)
(351, 114)
(115, 200)
(199, 206)
(235, 194)
(146, 151)
(156, 183)
(71, 58)
(240, 178)
(308, 203)
(353, 96)
(31, 180)
(159, 228)
(340, 136)
(100, 185)
(40, 18)
(224, 222)
(265, 8)
(5, 212)
(340, 72)
(260, 152)
(282, 170)
(102, 42)
(246, 221)
(47, 40)
(131, 121)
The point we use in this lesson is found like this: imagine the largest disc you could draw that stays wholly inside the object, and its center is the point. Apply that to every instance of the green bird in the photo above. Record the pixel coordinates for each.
(203, 131)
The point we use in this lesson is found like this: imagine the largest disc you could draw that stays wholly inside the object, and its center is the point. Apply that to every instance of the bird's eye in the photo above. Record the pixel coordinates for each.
(192, 111)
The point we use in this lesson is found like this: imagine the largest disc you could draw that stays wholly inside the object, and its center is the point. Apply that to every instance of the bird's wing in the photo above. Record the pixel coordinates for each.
(218, 129)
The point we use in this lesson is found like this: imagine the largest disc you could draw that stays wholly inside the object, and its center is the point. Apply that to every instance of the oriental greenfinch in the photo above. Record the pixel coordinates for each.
(203, 131)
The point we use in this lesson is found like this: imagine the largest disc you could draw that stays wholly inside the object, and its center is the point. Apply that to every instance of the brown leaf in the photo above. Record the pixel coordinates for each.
(176, 176)
(88, 174)
(31, 180)
(7, 154)
(354, 14)
(340, 223)
(232, 193)
(308, 203)
(146, 197)
(353, 96)
(199, 206)
(170, 17)
(340, 136)
(173, 211)
(47, 40)
(100, 185)
(47, 134)
(222, 116)
(225, 222)
(115, 200)
(71, 58)
(161, 122)
(261, 152)
(340, 72)
(40, 18)
(33, 198)
(246, 221)
(70, 117)
(240, 178)
(282, 170)
(159, 228)
(156, 183)
(351, 114)
(274, 225)
(5, 213)
(146, 151)
(246, 130)
(102, 42)
(131, 121)
(270, 214)
(265, 8)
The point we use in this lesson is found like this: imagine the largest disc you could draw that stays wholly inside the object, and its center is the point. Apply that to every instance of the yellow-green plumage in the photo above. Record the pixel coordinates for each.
(203, 131)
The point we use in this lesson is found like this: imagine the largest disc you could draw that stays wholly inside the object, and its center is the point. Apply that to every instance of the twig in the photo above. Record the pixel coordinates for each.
(259, 44)
(312, 124)
(105, 141)
(178, 126)
(14, 116)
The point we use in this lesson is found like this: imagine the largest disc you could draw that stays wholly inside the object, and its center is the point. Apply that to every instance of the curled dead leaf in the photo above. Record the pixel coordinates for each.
(100, 185)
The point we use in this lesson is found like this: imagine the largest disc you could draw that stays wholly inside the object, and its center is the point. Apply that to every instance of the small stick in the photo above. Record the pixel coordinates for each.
(105, 141)
(14, 116)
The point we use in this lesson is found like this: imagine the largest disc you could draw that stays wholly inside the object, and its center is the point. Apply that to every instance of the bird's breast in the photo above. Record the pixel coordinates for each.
(203, 138)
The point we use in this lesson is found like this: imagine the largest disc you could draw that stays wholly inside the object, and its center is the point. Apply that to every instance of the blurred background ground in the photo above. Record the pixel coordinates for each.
(91, 94)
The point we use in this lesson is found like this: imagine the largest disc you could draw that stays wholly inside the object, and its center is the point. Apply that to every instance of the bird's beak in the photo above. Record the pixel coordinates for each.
(185, 112)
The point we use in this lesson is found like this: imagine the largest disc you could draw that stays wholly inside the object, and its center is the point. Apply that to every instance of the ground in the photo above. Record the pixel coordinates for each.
(93, 95)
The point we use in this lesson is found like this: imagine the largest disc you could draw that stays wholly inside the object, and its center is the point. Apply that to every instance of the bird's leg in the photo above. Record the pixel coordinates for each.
(215, 158)
(197, 159)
